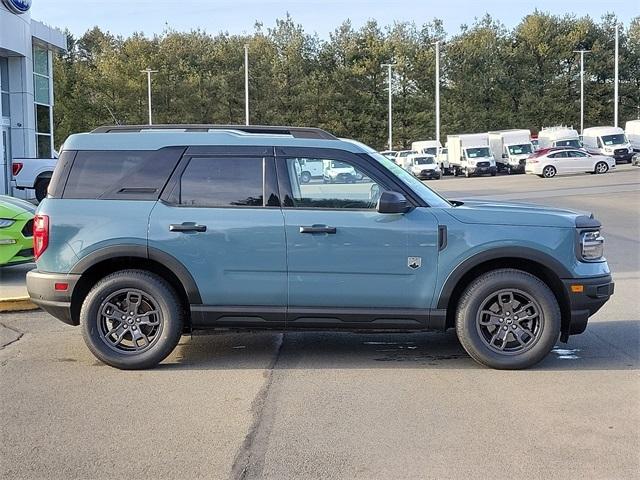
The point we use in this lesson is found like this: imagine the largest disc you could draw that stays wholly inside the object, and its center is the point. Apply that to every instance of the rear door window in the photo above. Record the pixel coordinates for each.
(121, 175)
(222, 182)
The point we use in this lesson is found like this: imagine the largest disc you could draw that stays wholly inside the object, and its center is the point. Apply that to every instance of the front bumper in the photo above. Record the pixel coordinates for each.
(41, 288)
(429, 174)
(586, 297)
(16, 241)
(623, 157)
(482, 170)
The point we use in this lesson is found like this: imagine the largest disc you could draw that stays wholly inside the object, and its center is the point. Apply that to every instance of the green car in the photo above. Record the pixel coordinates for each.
(16, 231)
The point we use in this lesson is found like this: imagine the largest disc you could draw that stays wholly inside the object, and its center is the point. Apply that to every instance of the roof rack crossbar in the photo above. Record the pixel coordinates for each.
(296, 132)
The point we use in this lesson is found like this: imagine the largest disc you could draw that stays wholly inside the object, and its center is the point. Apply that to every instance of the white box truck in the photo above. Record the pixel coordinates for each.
(469, 154)
(632, 130)
(511, 148)
(433, 147)
(610, 141)
(558, 137)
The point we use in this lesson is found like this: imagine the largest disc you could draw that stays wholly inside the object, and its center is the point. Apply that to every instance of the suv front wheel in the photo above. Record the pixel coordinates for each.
(131, 319)
(508, 319)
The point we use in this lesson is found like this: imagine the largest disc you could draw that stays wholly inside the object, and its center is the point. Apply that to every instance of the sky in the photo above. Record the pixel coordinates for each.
(322, 17)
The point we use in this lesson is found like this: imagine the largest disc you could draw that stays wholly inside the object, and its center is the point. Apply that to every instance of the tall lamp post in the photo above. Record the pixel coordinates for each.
(148, 71)
(389, 66)
(615, 80)
(437, 44)
(246, 84)
(582, 52)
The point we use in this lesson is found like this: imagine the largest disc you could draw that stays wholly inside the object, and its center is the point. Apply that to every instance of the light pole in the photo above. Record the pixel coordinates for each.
(615, 81)
(389, 66)
(581, 52)
(437, 44)
(148, 71)
(246, 84)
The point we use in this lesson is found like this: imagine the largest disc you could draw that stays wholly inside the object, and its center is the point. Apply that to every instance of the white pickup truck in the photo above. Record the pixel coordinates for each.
(33, 173)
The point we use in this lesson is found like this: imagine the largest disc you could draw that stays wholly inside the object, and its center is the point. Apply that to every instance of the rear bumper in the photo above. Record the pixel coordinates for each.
(595, 293)
(41, 288)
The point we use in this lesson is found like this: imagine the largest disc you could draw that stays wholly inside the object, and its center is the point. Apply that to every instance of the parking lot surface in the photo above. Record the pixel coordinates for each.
(331, 405)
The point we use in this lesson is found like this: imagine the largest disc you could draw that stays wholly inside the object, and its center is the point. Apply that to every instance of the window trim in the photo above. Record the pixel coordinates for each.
(170, 194)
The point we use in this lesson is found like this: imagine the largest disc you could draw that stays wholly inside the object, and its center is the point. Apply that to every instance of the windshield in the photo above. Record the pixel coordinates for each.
(424, 161)
(406, 153)
(617, 139)
(523, 149)
(336, 164)
(424, 192)
(478, 152)
(430, 150)
(575, 143)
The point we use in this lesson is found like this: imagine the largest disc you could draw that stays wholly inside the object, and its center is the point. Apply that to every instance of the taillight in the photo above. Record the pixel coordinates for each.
(40, 234)
(16, 167)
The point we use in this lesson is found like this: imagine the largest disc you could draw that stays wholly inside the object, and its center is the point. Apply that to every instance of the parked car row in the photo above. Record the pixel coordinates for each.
(517, 151)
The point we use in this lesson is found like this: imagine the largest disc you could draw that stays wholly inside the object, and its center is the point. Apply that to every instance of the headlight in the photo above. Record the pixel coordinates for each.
(5, 222)
(592, 245)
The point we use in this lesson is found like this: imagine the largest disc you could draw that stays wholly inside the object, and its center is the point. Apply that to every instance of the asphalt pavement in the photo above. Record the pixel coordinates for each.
(342, 405)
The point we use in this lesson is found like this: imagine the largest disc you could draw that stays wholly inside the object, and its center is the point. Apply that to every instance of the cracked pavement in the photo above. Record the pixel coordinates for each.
(330, 405)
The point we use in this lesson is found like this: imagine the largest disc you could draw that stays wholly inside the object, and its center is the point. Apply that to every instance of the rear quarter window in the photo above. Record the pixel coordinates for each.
(120, 174)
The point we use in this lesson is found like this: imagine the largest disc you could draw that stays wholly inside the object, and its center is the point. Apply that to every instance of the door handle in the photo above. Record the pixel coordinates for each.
(187, 227)
(318, 229)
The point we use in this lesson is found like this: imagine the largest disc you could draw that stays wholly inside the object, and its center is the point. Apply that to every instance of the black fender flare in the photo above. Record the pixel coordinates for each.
(498, 253)
(142, 251)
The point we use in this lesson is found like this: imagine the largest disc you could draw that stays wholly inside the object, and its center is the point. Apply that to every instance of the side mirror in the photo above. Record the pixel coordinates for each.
(392, 202)
(504, 155)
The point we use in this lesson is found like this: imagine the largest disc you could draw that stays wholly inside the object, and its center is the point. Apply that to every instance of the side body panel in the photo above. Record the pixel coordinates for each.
(81, 227)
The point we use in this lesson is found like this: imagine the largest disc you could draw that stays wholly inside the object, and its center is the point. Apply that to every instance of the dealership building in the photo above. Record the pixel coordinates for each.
(26, 85)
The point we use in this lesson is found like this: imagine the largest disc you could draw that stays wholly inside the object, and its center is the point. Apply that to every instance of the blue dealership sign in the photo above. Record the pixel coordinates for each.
(18, 6)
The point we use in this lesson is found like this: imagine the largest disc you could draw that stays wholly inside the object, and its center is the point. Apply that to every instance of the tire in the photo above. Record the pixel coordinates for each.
(480, 333)
(162, 331)
(305, 177)
(549, 171)
(601, 167)
(466, 173)
(41, 187)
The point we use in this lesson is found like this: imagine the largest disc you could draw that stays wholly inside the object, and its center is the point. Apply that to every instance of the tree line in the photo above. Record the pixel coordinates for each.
(492, 77)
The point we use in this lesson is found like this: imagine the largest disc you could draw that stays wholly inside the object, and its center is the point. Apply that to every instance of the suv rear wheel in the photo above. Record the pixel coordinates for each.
(508, 319)
(131, 319)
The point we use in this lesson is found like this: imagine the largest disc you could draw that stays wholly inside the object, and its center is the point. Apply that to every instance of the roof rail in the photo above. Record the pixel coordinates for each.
(296, 132)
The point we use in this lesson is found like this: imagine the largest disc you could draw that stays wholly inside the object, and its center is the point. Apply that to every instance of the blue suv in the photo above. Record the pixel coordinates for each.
(149, 232)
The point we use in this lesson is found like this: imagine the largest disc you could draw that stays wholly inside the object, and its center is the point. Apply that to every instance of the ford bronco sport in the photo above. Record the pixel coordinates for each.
(149, 232)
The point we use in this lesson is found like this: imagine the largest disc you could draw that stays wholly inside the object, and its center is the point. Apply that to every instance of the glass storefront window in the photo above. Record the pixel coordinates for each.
(40, 61)
(4, 87)
(41, 89)
(43, 119)
(44, 146)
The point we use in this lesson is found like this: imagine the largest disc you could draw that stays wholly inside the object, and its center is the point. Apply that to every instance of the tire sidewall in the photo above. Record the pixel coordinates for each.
(151, 285)
(485, 286)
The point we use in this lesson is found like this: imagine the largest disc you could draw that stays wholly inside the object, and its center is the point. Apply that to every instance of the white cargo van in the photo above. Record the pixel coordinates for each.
(632, 130)
(469, 154)
(431, 147)
(558, 137)
(309, 169)
(511, 148)
(610, 141)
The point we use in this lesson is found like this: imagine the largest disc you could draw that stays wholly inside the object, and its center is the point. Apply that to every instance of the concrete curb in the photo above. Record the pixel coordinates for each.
(17, 304)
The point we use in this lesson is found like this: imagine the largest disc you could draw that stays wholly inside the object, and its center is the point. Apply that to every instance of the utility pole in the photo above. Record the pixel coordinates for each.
(246, 84)
(615, 80)
(437, 44)
(581, 52)
(389, 66)
(148, 71)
